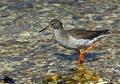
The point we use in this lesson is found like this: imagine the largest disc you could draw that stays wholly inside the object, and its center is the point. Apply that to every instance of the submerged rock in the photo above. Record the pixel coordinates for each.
(80, 75)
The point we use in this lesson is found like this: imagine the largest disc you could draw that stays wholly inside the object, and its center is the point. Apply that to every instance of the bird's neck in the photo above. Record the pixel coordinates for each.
(58, 32)
(60, 36)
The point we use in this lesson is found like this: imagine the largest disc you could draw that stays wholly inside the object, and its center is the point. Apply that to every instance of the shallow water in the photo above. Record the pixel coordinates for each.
(27, 56)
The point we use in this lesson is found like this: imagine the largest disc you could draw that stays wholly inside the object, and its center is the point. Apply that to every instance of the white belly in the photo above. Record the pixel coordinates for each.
(78, 43)
(72, 43)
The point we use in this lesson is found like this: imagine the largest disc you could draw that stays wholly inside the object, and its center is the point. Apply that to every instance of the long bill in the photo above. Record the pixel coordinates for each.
(43, 29)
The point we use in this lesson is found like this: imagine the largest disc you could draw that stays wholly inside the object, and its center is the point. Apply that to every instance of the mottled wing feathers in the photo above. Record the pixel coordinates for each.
(86, 34)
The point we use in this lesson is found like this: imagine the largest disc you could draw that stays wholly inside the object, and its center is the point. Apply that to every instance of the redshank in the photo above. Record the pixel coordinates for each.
(75, 39)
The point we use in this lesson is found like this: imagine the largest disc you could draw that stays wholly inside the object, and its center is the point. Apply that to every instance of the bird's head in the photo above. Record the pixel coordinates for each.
(54, 24)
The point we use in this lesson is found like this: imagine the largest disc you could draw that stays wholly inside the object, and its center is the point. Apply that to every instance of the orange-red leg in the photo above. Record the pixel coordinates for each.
(82, 57)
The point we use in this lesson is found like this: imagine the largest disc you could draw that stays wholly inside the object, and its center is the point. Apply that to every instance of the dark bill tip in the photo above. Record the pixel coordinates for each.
(43, 29)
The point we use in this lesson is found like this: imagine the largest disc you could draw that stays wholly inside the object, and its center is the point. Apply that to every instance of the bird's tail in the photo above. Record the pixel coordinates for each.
(101, 32)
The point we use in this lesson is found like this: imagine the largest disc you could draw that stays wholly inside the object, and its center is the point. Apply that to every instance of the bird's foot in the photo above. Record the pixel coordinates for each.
(82, 57)
(80, 63)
